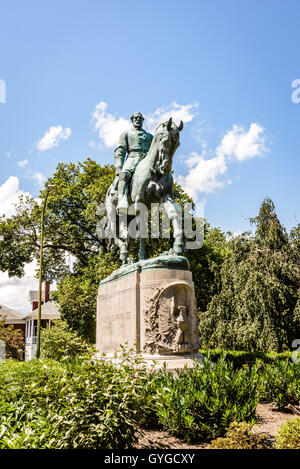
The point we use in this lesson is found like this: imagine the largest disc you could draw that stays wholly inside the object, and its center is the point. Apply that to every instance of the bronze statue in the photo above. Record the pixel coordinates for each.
(135, 143)
(143, 178)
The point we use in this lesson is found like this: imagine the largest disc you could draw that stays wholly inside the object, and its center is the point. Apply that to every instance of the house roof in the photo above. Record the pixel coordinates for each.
(10, 314)
(49, 310)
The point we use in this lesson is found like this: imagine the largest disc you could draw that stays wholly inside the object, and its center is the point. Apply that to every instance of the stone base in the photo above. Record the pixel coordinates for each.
(157, 362)
(150, 307)
(172, 362)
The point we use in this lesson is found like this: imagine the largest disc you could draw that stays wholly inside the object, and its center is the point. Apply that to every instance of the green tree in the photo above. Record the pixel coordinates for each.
(256, 307)
(206, 264)
(71, 231)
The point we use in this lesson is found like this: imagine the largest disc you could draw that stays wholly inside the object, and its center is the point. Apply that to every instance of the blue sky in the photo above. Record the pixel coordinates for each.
(226, 67)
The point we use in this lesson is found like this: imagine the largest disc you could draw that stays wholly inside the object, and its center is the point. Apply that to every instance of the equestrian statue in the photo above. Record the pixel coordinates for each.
(143, 165)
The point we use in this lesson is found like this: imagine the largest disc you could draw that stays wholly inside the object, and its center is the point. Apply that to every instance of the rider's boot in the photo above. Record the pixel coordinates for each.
(122, 194)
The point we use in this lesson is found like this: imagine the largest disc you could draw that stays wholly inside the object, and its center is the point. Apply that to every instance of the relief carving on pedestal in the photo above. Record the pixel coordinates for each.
(171, 324)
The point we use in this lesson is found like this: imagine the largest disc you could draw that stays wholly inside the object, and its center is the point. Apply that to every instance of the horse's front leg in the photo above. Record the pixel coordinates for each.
(123, 238)
(174, 214)
(142, 251)
(141, 215)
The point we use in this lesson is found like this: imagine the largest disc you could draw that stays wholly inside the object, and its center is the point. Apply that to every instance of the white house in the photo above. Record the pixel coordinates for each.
(28, 322)
(49, 312)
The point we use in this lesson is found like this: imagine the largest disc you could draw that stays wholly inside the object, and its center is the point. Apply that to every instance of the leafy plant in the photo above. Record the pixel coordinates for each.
(239, 436)
(281, 384)
(58, 342)
(72, 405)
(203, 401)
(240, 358)
(288, 436)
(13, 339)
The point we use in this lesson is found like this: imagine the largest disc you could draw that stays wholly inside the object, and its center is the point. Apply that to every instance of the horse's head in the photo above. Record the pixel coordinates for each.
(166, 138)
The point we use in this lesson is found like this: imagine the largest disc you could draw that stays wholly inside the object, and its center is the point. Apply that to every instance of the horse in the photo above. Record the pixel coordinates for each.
(152, 182)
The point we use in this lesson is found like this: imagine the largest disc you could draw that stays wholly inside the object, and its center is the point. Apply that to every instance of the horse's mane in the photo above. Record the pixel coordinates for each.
(173, 131)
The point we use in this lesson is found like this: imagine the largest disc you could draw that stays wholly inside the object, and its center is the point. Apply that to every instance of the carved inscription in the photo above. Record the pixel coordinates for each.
(116, 317)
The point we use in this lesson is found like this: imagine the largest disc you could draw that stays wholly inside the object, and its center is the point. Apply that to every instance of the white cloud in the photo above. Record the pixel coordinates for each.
(184, 112)
(110, 127)
(243, 145)
(9, 194)
(52, 137)
(14, 291)
(39, 177)
(205, 175)
(22, 163)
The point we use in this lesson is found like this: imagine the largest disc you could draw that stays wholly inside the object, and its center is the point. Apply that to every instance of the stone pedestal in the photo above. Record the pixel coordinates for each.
(150, 306)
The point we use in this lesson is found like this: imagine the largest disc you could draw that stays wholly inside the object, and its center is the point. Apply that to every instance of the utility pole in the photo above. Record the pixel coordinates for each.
(38, 342)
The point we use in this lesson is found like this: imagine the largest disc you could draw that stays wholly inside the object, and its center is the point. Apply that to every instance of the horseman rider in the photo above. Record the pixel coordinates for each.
(135, 143)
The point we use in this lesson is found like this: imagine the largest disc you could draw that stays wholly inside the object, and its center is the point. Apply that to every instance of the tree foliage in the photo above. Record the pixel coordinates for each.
(13, 340)
(71, 219)
(58, 342)
(257, 307)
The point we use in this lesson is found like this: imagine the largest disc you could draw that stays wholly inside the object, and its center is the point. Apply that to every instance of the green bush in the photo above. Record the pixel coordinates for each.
(239, 436)
(202, 402)
(289, 435)
(280, 377)
(13, 339)
(58, 342)
(23, 410)
(85, 404)
(241, 358)
(281, 383)
(45, 404)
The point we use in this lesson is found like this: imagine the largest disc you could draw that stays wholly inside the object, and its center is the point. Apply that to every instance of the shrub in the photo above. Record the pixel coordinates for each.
(241, 358)
(59, 342)
(99, 407)
(45, 404)
(281, 384)
(13, 338)
(280, 377)
(202, 402)
(289, 435)
(239, 436)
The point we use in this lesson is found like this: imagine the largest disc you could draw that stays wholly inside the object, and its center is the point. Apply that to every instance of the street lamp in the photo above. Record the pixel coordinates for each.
(38, 341)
